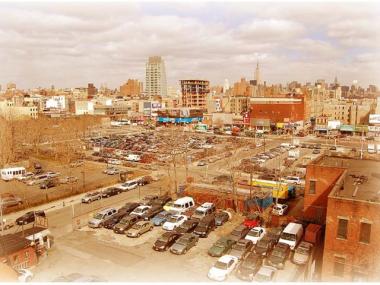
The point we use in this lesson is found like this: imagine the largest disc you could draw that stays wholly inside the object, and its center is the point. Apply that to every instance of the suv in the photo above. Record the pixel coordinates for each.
(141, 210)
(205, 226)
(91, 197)
(280, 209)
(125, 223)
(149, 199)
(249, 267)
(279, 255)
(238, 233)
(48, 184)
(145, 180)
(264, 246)
(203, 210)
(241, 248)
(129, 185)
(29, 217)
(302, 253)
(111, 191)
(187, 227)
(100, 217)
(154, 210)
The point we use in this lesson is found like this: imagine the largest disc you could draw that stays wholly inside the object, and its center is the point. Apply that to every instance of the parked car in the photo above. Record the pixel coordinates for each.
(145, 180)
(184, 243)
(302, 253)
(140, 228)
(100, 217)
(202, 163)
(10, 200)
(187, 227)
(111, 171)
(154, 210)
(48, 184)
(241, 248)
(77, 163)
(332, 148)
(162, 200)
(165, 241)
(222, 268)
(68, 180)
(292, 180)
(203, 210)
(249, 267)
(264, 246)
(114, 161)
(316, 151)
(111, 191)
(255, 234)
(221, 247)
(205, 226)
(239, 232)
(91, 197)
(125, 223)
(52, 174)
(280, 209)
(37, 179)
(174, 221)
(274, 234)
(140, 210)
(161, 218)
(29, 217)
(24, 275)
(149, 199)
(129, 185)
(128, 207)
(279, 255)
(112, 221)
(6, 224)
(266, 274)
(222, 217)
(253, 220)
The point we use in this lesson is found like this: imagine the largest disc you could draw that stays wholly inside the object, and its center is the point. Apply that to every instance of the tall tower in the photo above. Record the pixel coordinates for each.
(226, 85)
(257, 74)
(155, 77)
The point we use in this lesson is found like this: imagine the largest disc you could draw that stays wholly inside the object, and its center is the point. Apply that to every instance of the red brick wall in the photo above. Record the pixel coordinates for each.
(278, 112)
(357, 254)
(315, 205)
(25, 256)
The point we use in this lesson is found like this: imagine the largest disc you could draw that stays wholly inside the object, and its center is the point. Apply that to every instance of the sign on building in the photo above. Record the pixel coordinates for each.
(374, 119)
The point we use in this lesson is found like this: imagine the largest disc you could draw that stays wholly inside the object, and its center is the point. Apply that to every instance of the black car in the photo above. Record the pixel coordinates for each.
(239, 232)
(149, 199)
(29, 217)
(274, 234)
(205, 226)
(112, 191)
(264, 246)
(111, 222)
(187, 227)
(249, 267)
(162, 200)
(154, 210)
(125, 223)
(279, 255)
(221, 218)
(128, 207)
(48, 184)
(166, 240)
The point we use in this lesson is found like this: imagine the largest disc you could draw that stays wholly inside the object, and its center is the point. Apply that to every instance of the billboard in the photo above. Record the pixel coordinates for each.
(333, 125)
(374, 119)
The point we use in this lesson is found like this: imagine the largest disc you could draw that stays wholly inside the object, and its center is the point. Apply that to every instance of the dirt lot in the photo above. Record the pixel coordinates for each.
(89, 176)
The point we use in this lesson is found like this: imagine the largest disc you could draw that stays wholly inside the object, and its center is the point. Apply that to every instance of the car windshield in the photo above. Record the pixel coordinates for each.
(137, 226)
(239, 247)
(163, 239)
(278, 253)
(287, 236)
(254, 234)
(220, 265)
(98, 216)
(183, 241)
(302, 250)
(173, 219)
(236, 233)
(262, 244)
(260, 277)
(140, 210)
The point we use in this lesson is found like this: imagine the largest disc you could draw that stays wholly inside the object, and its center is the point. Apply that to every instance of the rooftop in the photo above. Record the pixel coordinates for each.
(360, 181)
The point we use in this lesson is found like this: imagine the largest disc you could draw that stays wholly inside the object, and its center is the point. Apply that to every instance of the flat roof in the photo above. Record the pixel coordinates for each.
(360, 181)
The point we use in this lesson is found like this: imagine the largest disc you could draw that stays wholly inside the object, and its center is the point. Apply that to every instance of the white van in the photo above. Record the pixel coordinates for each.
(133, 157)
(292, 235)
(371, 148)
(12, 173)
(181, 205)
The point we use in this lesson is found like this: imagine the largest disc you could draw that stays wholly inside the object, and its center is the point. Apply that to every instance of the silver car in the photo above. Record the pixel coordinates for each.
(91, 197)
(139, 228)
(302, 253)
(100, 217)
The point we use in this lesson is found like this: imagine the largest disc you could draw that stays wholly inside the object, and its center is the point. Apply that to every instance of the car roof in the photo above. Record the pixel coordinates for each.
(257, 229)
(226, 258)
(106, 210)
(266, 270)
(183, 200)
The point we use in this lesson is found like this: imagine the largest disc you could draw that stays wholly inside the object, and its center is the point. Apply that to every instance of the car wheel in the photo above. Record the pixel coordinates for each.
(138, 235)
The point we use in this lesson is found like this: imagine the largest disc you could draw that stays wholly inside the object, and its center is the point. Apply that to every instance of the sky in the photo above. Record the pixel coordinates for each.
(69, 44)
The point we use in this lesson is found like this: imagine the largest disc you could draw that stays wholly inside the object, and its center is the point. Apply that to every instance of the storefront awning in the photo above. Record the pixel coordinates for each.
(361, 128)
(347, 128)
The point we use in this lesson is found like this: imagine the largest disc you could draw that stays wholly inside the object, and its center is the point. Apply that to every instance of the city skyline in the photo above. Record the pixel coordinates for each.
(68, 45)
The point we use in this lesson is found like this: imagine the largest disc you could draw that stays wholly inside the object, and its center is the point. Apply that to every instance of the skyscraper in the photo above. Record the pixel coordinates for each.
(257, 74)
(155, 77)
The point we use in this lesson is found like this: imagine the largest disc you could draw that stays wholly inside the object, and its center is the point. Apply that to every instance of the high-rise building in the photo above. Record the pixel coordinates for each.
(194, 93)
(155, 77)
(257, 74)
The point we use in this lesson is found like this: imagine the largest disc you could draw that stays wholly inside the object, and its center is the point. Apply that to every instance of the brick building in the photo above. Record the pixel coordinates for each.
(194, 93)
(132, 88)
(346, 191)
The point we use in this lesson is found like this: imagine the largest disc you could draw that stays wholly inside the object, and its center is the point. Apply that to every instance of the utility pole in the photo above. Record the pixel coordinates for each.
(362, 142)
(1, 215)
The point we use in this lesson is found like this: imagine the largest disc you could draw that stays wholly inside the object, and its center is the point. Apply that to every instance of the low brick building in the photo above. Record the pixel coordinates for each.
(352, 237)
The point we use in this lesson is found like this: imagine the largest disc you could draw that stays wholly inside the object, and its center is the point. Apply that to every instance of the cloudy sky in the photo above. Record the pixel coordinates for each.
(69, 45)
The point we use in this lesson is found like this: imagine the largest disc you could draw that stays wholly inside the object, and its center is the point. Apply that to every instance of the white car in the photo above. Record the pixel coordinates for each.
(140, 210)
(173, 222)
(266, 274)
(255, 234)
(114, 161)
(222, 268)
(292, 180)
(128, 185)
(280, 209)
(52, 174)
(24, 275)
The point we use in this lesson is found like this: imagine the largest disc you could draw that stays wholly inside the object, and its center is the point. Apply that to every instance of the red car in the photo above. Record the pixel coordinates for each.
(253, 220)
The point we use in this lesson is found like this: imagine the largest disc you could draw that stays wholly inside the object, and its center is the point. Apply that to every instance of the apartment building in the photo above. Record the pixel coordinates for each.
(195, 93)
(155, 79)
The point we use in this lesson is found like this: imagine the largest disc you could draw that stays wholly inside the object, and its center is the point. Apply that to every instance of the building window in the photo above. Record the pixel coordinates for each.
(342, 228)
(312, 186)
(339, 266)
(365, 233)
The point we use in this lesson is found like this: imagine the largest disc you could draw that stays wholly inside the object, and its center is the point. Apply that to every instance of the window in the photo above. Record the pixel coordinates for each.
(342, 228)
(365, 232)
(312, 186)
(339, 266)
